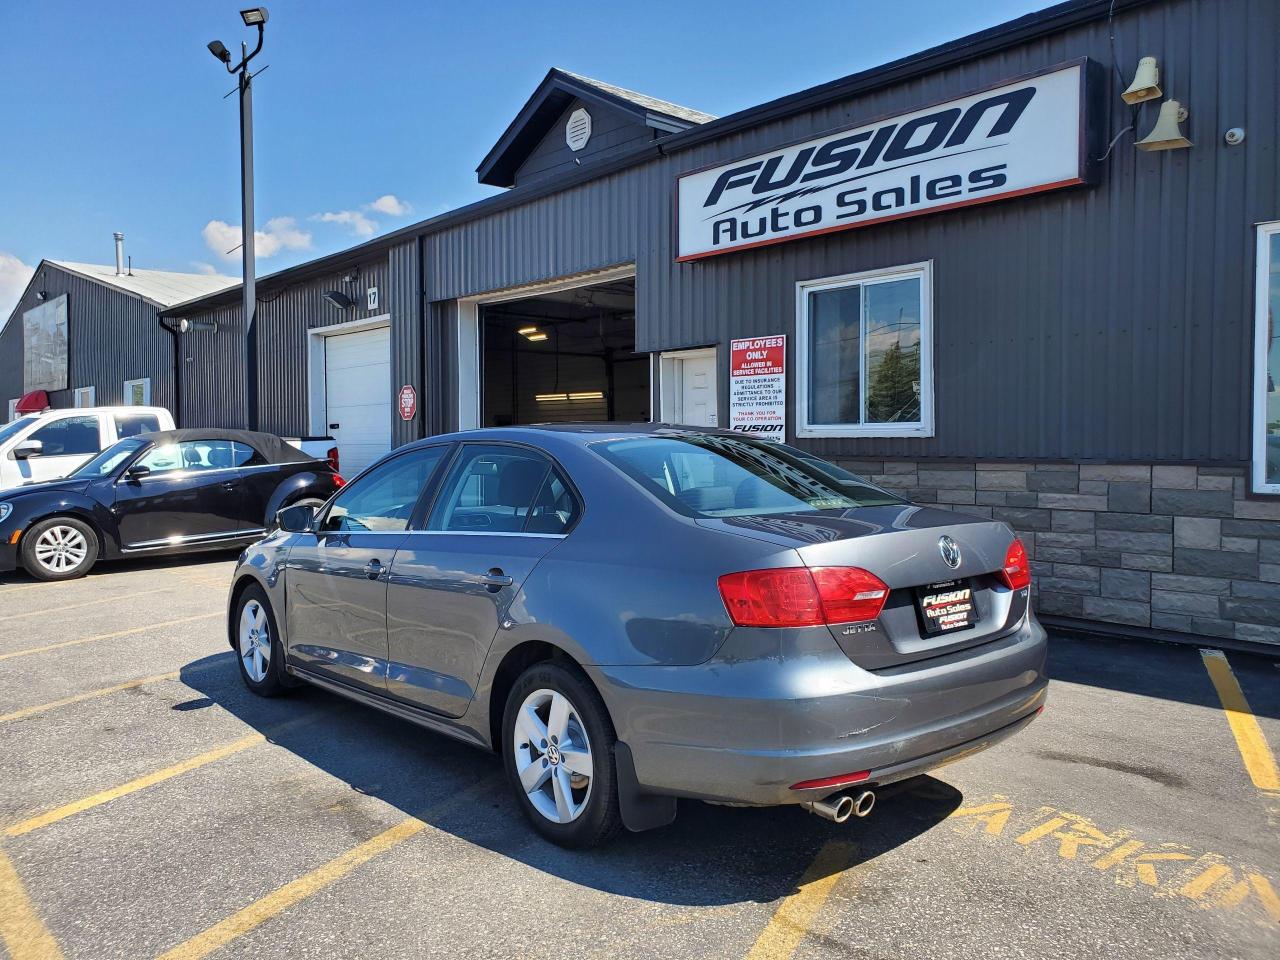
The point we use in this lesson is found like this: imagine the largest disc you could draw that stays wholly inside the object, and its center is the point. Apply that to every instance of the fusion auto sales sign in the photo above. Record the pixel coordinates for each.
(1025, 136)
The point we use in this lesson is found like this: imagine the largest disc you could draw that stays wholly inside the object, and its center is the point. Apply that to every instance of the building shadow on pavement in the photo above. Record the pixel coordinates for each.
(1165, 671)
(710, 856)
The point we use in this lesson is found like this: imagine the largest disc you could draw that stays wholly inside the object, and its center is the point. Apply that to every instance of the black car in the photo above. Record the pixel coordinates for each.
(174, 491)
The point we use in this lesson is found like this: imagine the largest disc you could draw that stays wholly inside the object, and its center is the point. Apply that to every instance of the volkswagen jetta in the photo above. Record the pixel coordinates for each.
(631, 614)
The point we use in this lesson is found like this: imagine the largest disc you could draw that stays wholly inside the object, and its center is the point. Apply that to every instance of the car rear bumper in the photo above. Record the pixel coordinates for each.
(744, 729)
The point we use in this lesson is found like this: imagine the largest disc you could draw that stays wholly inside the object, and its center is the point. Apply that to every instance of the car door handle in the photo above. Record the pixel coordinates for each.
(495, 580)
(373, 569)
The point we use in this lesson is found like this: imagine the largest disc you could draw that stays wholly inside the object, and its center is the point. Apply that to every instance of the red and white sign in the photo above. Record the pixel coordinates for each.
(758, 387)
(408, 402)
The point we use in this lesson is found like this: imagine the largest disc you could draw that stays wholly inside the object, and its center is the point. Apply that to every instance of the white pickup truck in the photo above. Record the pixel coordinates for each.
(53, 443)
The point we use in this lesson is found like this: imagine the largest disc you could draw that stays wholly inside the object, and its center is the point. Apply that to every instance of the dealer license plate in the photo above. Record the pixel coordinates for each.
(946, 606)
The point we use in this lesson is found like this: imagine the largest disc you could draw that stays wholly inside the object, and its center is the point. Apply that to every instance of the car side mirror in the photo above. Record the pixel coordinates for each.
(28, 449)
(137, 472)
(300, 518)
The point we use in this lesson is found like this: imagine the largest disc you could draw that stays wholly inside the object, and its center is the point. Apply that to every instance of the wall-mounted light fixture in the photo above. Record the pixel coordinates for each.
(338, 299)
(1165, 135)
(197, 326)
(41, 296)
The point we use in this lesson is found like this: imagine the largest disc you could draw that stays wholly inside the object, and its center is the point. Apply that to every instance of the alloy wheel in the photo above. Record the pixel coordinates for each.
(255, 641)
(60, 549)
(553, 756)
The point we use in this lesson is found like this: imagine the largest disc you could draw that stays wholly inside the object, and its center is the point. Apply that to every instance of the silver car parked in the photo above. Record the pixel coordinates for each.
(632, 614)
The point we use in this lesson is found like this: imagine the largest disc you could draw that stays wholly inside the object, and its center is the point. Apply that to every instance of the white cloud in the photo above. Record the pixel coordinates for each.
(279, 233)
(354, 220)
(391, 205)
(208, 269)
(14, 277)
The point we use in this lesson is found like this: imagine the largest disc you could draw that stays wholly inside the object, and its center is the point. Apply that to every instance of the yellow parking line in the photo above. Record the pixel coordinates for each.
(108, 636)
(133, 786)
(1257, 755)
(115, 598)
(795, 915)
(151, 779)
(282, 898)
(79, 697)
(22, 931)
(106, 691)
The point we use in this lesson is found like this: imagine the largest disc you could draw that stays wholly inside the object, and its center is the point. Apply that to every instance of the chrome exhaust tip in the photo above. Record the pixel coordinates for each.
(837, 808)
(863, 803)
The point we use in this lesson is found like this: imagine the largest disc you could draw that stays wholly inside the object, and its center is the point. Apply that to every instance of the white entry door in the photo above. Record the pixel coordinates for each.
(689, 388)
(357, 386)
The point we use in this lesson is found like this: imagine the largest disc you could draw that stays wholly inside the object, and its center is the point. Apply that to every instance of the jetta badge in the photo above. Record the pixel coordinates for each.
(950, 551)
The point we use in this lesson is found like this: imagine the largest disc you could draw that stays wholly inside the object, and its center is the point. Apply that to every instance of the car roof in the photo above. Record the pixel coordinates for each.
(274, 449)
(581, 433)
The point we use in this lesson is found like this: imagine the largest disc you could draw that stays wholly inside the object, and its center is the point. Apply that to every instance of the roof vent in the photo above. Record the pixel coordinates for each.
(578, 130)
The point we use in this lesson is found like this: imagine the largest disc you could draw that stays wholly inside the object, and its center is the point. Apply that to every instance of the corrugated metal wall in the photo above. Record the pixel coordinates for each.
(111, 337)
(405, 303)
(212, 395)
(1110, 322)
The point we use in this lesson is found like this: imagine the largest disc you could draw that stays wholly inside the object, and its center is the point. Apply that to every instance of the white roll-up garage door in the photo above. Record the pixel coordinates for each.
(357, 385)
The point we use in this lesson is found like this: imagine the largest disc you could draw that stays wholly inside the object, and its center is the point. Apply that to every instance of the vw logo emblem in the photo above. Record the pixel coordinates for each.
(950, 551)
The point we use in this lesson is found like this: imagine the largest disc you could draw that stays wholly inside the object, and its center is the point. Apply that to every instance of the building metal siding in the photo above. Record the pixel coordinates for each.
(112, 336)
(1107, 322)
(212, 377)
(1110, 322)
(404, 301)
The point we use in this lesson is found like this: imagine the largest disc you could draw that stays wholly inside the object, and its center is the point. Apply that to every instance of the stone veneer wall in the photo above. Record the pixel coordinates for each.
(1177, 548)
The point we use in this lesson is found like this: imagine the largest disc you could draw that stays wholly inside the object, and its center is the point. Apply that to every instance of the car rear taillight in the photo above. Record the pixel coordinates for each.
(1016, 572)
(802, 597)
(850, 594)
(338, 481)
(332, 457)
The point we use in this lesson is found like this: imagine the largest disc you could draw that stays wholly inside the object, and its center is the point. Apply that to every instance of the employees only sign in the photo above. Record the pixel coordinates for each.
(758, 387)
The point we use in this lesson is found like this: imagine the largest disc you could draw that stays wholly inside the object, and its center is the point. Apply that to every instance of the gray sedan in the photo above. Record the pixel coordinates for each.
(632, 614)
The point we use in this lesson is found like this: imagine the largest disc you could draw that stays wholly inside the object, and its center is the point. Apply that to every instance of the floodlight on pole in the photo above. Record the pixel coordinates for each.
(252, 17)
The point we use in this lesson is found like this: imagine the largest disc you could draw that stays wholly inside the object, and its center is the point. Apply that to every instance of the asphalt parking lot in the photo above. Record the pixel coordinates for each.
(150, 806)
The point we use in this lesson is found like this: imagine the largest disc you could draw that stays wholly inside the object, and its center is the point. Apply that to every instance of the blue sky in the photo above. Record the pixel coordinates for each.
(115, 117)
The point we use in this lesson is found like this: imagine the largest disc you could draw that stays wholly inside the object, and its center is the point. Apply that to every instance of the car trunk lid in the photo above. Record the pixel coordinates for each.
(902, 544)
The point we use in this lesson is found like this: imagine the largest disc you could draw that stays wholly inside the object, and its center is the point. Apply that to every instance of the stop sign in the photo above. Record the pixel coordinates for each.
(408, 402)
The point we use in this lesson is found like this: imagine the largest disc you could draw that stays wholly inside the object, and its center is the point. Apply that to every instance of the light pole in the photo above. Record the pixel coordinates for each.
(253, 17)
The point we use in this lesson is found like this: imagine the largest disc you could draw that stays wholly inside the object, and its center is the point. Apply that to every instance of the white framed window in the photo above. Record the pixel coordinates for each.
(137, 393)
(864, 354)
(85, 396)
(1266, 359)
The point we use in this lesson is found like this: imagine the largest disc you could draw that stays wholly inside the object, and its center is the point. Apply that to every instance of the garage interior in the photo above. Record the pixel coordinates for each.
(562, 357)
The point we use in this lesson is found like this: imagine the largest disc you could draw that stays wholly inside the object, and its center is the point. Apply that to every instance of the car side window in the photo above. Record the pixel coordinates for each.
(499, 489)
(383, 500)
(247, 456)
(189, 455)
(132, 424)
(69, 436)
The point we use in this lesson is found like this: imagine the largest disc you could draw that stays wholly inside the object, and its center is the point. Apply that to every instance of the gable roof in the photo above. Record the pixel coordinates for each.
(557, 90)
(162, 288)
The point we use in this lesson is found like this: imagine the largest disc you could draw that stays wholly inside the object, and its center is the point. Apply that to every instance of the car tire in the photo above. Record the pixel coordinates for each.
(59, 548)
(549, 775)
(259, 652)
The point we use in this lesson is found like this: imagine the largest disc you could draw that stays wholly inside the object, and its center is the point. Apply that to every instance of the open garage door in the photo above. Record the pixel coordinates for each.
(563, 357)
(357, 386)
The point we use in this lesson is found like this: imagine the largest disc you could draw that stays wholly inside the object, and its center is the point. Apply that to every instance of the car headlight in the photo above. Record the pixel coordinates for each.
(6, 508)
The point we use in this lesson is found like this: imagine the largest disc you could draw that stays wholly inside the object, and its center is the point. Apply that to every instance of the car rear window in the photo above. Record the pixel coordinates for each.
(720, 475)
